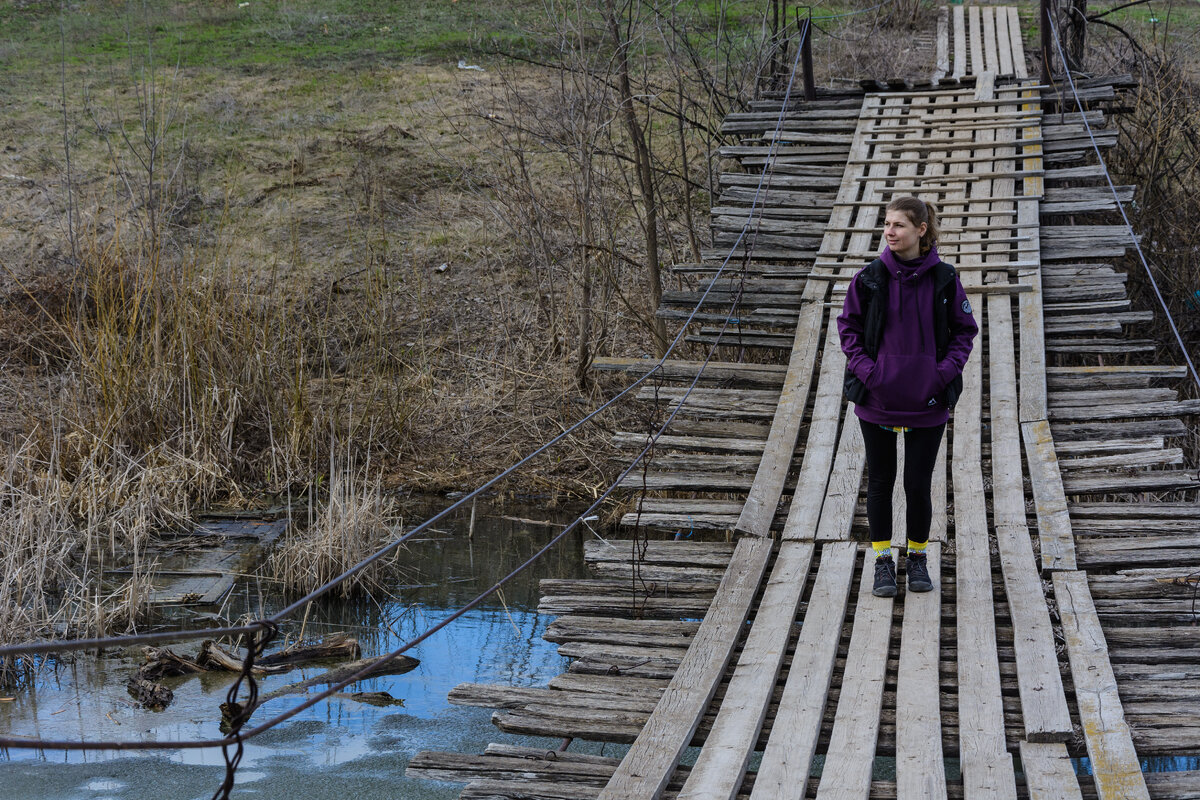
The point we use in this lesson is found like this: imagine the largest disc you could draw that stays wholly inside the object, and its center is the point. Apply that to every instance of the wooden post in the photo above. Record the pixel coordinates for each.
(1047, 59)
(810, 89)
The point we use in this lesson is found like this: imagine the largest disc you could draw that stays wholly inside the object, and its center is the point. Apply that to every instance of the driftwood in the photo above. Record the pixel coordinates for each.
(397, 666)
(149, 694)
(337, 646)
(161, 662)
(212, 656)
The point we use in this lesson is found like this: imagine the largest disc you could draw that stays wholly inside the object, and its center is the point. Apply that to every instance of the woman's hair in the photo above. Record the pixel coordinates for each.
(920, 213)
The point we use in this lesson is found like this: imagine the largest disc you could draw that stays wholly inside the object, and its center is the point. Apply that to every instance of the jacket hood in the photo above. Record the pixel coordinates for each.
(898, 270)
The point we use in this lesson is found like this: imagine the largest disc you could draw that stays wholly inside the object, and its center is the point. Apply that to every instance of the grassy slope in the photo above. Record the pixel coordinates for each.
(318, 145)
(263, 33)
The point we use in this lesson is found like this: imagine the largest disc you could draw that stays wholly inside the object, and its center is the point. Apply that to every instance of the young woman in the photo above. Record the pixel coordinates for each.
(906, 329)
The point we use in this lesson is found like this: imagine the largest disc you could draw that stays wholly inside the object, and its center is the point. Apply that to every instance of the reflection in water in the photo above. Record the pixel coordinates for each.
(498, 642)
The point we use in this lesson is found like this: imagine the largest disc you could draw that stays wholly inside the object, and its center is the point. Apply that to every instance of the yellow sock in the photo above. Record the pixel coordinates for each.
(916, 547)
(882, 549)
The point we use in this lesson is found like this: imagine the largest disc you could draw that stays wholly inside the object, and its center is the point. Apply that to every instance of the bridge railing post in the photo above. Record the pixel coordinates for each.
(810, 89)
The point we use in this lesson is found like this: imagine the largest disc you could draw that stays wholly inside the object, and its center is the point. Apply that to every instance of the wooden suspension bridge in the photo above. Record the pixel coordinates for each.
(1062, 620)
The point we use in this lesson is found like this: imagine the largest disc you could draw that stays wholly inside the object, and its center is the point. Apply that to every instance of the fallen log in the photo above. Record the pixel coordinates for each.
(397, 666)
(212, 656)
(337, 646)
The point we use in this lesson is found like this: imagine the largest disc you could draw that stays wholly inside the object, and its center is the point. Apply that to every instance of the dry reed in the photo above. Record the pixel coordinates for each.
(58, 533)
(353, 520)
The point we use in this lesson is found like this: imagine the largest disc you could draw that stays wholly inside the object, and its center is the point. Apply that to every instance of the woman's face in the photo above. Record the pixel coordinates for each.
(902, 237)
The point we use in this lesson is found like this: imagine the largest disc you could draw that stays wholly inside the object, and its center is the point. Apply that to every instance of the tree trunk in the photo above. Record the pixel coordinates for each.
(645, 173)
(582, 369)
(1076, 34)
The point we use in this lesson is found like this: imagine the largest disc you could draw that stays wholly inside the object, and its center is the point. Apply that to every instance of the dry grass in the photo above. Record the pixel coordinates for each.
(353, 520)
(242, 267)
(59, 530)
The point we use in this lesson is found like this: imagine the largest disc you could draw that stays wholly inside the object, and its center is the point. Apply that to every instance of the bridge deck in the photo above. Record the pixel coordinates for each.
(1061, 623)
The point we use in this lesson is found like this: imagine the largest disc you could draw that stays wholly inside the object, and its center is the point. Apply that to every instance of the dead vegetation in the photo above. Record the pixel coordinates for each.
(223, 284)
(355, 518)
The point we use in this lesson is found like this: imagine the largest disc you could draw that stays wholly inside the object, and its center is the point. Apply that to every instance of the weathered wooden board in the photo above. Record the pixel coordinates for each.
(797, 724)
(851, 755)
(1054, 523)
(920, 764)
(1115, 764)
(722, 762)
(805, 510)
(648, 765)
(1043, 700)
(985, 764)
(1049, 774)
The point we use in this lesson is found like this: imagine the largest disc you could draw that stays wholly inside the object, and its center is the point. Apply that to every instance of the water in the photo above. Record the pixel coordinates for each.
(338, 748)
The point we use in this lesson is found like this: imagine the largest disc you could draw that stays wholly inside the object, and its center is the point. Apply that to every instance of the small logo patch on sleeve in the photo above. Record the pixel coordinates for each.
(966, 306)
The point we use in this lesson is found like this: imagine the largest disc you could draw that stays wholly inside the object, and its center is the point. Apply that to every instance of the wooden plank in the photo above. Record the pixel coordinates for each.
(797, 726)
(991, 58)
(1172, 455)
(722, 762)
(1033, 348)
(851, 755)
(1005, 64)
(759, 509)
(986, 765)
(1020, 70)
(1043, 701)
(681, 370)
(646, 768)
(942, 54)
(845, 484)
(805, 510)
(1049, 774)
(1115, 765)
(960, 42)
(920, 765)
(1054, 523)
(978, 67)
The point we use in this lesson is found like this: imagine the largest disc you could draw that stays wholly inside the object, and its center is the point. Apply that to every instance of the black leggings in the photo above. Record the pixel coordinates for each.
(920, 454)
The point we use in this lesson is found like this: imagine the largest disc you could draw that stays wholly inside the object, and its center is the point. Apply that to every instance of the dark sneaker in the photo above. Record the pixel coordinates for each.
(885, 577)
(917, 568)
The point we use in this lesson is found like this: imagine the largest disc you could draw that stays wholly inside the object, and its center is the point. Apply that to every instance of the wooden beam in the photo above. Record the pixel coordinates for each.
(1116, 767)
(920, 764)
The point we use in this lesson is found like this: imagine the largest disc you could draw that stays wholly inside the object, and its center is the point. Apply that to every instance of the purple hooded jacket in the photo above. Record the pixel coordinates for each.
(904, 382)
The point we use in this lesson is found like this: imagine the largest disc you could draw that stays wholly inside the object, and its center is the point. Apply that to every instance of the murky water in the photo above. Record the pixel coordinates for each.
(337, 749)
